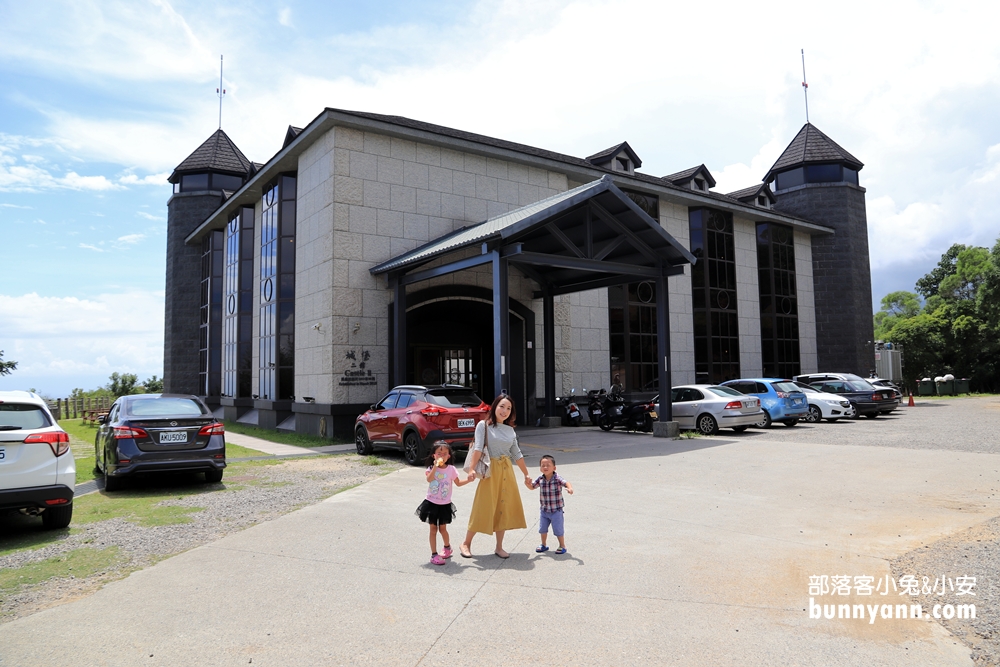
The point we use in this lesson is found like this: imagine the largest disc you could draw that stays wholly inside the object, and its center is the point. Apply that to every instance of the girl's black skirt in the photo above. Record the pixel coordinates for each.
(435, 514)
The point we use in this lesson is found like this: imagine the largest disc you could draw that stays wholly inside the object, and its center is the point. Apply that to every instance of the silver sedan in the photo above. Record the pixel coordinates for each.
(706, 408)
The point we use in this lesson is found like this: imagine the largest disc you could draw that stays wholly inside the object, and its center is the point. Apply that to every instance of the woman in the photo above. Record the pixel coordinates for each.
(497, 506)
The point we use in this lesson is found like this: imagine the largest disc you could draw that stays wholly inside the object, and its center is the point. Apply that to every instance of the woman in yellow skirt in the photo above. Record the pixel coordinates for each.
(497, 507)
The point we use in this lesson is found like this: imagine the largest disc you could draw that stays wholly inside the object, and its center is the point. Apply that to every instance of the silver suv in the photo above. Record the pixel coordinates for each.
(37, 470)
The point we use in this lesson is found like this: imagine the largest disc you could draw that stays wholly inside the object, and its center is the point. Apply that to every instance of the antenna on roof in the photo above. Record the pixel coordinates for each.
(221, 92)
(805, 86)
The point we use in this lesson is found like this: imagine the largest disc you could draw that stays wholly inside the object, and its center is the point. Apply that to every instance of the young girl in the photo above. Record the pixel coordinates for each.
(437, 509)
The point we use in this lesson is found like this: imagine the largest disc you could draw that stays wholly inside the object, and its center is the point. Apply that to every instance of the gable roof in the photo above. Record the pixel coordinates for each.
(290, 134)
(218, 153)
(750, 194)
(607, 154)
(810, 146)
(682, 177)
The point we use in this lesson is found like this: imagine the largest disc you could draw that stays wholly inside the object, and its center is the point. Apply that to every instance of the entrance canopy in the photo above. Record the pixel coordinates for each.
(591, 236)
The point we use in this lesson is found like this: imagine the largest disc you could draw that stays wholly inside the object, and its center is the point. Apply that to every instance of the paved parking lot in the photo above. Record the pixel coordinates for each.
(687, 552)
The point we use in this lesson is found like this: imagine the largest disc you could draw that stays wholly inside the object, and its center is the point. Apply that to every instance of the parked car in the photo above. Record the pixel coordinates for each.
(706, 408)
(147, 433)
(881, 383)
(781, 401)
(37, 470)
(415, 417)
(866, 399)
(830, 407)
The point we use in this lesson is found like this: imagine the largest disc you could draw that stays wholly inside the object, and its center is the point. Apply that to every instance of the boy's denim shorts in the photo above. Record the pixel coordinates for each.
(554, 518)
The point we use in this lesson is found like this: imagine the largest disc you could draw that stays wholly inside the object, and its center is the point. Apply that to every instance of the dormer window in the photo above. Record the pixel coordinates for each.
(617, 158)
(762, 201)
(624, 164)
(700, 185)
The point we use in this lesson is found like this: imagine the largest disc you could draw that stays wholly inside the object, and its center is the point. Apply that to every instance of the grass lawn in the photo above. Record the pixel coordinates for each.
(79, 563)
(296, 439)
(237, 452)
(81, 442)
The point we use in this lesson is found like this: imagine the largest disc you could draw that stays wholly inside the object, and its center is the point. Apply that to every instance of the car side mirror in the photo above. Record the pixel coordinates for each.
(373, 407)
(101, 419)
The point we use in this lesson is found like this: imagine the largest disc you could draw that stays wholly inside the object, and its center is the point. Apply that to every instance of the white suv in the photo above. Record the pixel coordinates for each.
(37, 470)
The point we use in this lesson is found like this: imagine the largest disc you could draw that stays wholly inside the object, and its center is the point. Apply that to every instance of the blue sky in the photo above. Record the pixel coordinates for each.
(99, 100)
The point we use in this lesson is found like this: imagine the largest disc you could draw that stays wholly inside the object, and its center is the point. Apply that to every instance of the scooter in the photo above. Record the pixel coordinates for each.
(633, 416)
(595, 408)
(568, 410)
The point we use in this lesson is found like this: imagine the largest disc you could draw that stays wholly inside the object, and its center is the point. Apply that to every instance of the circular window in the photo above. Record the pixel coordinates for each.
(234, 225)
(781, 235)
(786, 306)
(644, 292)
(722, 298)
(268, 289)
(719, 222)
(231, 304)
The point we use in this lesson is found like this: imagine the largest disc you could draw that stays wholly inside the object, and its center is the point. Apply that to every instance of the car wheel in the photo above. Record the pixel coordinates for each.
(707, 425)
(605, 423)
(872, 415)
(361, 441)
(765, 421)
(111, 483)
(213, 476)
(814, 415)
(411, 449)
(790, 422)
(57, 517)
(740, 429)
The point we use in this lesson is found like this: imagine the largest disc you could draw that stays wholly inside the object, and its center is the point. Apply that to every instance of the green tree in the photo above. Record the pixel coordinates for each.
(123, 384)
(923, 341)
(929, 284)
(153, 385)
(971, 268)
(6, 367)
(896, 306)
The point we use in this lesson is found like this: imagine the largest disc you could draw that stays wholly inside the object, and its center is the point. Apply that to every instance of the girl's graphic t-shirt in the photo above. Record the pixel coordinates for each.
(439, 491)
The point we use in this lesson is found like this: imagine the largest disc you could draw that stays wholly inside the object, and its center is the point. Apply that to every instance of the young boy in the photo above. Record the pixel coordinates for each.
(551, 502)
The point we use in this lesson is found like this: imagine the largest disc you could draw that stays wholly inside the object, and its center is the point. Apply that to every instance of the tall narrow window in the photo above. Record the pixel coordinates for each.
(779, 314)
(632, 329)
(713, 295)
(277, 290)
(238, 306)
(210, 333)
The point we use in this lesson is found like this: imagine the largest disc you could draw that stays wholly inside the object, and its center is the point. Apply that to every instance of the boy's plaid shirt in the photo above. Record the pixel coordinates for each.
(551, 492)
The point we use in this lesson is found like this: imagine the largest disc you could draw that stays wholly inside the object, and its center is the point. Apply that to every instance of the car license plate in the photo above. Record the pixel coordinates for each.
(595, 411)
(3, 453)
(466, 423)
(173, 436)
(574, 413)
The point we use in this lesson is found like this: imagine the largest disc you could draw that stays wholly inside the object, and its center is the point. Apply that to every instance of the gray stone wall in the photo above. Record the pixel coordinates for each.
(182, 296)
(841, 273)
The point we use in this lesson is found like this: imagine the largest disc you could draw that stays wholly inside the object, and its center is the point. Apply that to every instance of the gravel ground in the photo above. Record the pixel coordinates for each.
(254, 494)
(964, 424)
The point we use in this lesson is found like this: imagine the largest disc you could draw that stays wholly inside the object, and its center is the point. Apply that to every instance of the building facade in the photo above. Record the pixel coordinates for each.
(285, 274)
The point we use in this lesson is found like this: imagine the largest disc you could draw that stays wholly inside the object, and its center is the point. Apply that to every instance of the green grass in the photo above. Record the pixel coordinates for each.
(81, 442)
(79, 563)
(296, 439)
(237, 452)
(139, 506)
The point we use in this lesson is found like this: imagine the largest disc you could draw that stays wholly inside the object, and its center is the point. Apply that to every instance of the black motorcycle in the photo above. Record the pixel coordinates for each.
(568, 410)
(595, 406)
(633, 416)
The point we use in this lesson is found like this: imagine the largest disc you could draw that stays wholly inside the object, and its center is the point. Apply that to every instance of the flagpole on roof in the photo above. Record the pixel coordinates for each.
(805, 86)
(221, 92)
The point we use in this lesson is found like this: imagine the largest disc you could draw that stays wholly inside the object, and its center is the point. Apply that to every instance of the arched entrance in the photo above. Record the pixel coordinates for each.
(450, 339)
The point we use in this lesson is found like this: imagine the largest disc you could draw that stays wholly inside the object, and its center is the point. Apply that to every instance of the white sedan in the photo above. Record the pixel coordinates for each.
(830, 407)
(706, 408)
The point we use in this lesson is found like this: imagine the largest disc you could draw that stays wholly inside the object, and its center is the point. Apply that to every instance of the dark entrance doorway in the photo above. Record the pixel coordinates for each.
(450, 340)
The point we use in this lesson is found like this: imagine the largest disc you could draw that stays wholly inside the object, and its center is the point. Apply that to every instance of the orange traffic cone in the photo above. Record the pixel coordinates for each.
(910, 404)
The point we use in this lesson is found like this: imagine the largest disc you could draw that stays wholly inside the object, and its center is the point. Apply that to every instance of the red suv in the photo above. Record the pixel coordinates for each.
(414, 418)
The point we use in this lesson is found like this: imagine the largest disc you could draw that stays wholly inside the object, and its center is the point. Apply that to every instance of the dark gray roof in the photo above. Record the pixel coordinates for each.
(290, 134)
(218, 153)
(605, 156)
(749, 194)
(520, 222)
(682, 177)
(810, 146)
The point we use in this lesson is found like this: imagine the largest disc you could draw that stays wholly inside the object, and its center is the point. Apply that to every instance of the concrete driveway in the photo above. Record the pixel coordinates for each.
(689, 552)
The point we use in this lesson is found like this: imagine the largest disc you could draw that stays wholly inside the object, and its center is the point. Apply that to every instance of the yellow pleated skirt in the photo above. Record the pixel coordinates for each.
(497, 505)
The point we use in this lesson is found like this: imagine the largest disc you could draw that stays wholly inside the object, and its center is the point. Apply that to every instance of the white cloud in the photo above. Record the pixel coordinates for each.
(149, 216)
(15, 206)
(151, 179)
(88, 246)
(130, 239)
(285, 17)
(92, 338)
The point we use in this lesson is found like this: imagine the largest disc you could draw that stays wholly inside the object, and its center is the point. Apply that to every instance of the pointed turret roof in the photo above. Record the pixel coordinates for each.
(218, 154)
(810, 146)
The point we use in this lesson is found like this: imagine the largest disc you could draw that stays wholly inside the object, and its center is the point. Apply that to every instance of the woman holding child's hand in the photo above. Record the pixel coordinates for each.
(497, 507)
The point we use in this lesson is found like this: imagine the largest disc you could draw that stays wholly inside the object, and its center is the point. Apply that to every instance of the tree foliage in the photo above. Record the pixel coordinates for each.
(6, 367)
(122, 384)
(957, 329)
(153, 385)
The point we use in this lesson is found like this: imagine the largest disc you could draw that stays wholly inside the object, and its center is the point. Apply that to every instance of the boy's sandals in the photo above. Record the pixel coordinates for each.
(437, 560)
(560, 550)
(541, 549)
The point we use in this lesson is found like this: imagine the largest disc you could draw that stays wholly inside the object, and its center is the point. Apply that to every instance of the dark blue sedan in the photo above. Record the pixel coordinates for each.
(159, 433)
(780, 399)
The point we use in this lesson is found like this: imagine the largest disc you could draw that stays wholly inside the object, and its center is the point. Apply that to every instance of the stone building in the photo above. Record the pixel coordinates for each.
(376, 250)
